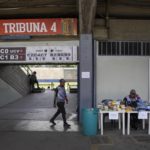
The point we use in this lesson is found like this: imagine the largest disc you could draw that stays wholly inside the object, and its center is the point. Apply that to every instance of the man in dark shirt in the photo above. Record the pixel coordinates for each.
(60, 99)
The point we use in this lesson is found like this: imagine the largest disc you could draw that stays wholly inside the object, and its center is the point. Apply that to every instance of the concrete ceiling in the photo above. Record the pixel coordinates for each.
(69, 8)
(37, 8)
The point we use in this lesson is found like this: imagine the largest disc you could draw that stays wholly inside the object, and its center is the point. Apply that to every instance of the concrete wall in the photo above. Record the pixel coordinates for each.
(117, 75)
(48, 73)
(55, 73)
(70, 73)
(122, 29)
(16, 78)
(130, 29)
(7, 93)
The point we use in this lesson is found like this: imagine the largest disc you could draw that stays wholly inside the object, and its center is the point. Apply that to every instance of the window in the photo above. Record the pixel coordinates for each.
(124, 48)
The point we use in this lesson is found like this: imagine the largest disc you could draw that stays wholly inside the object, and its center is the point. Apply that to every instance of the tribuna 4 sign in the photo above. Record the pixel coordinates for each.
(38, 26)
(25, 27)
(28, 27)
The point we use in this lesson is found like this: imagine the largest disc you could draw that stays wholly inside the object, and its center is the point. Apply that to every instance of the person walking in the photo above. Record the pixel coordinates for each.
(60, 99)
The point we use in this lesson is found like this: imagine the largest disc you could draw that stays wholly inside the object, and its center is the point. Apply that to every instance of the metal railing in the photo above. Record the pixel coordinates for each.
(26, 69)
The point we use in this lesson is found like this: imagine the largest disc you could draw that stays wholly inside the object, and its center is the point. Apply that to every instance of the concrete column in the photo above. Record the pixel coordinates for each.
(86, 72)
(87, 12)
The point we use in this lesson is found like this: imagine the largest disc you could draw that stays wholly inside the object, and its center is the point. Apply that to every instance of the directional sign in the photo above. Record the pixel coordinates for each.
(12, 54)
(54, 26)
(38, 54)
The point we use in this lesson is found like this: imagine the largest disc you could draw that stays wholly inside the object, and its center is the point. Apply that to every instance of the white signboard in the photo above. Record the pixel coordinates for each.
(85, 75)
(38, 54)
(142, 115)
(51, 54)
(113, 115)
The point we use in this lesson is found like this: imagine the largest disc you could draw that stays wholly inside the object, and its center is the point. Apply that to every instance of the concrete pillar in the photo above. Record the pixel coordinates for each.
(87, 12)
(86, 72)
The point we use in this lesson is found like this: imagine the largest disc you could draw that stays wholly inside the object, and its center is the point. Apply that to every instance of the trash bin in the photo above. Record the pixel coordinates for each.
(90, 121)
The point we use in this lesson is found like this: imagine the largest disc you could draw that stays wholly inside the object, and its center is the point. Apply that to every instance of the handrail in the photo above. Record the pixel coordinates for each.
(27, 69)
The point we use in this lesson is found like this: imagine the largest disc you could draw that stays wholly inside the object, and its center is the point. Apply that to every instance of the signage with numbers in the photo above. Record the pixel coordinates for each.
(12, 54)
(55, 26)
(38, 54)
(113, 115)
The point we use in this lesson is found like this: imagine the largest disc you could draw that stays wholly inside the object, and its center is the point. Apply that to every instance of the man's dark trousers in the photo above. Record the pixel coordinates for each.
(61, 109)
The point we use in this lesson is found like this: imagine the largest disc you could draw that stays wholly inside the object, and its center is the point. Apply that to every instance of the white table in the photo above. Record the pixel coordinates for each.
(143, 121)
(101, 123)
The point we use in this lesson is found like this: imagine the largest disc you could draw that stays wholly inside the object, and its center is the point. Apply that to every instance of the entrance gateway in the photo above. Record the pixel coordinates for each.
(36, 53)
(27, 52)
(39, 52)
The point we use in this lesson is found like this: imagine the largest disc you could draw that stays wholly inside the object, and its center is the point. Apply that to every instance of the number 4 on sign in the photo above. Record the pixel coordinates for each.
(53, 27)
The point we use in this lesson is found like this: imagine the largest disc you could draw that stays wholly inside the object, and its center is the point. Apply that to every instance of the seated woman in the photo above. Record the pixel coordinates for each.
(131, 100)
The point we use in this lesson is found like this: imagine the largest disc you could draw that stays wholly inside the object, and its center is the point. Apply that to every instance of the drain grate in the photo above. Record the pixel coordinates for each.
(142, 139)
(102, 140)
